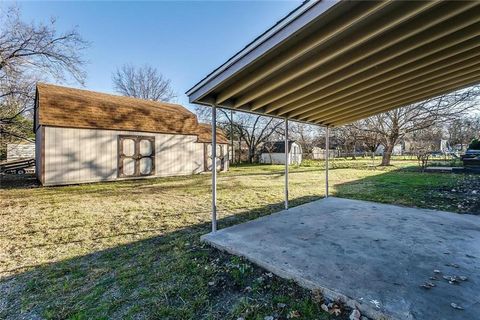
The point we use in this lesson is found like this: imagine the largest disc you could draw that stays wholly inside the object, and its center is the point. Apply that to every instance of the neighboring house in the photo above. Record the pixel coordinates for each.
(398, 150)
(21, 151)
(460, 147)
(319, 153)
(85, 136)
(274, 153)
(17, 151)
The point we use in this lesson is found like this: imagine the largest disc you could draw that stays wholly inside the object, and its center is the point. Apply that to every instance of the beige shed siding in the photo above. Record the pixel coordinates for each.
(38, 153)
(86, 155)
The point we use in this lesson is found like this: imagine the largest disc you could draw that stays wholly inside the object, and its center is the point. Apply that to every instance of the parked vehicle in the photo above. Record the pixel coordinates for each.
(471, 159)
(17, 166)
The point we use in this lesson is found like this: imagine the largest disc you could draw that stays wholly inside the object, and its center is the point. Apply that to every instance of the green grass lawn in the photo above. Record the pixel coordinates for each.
(131, 250)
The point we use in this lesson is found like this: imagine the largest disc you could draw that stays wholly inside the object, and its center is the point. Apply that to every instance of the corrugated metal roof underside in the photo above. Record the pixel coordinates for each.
(357, 59)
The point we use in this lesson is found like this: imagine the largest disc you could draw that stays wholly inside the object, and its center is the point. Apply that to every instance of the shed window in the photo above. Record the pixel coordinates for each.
(136, 156)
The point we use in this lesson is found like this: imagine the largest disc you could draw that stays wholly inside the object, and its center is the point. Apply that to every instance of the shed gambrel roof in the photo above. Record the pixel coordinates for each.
(204, 132)
(77, 108)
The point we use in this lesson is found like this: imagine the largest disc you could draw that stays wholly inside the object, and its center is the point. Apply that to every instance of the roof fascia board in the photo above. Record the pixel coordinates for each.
(252, 52)
(258, 113)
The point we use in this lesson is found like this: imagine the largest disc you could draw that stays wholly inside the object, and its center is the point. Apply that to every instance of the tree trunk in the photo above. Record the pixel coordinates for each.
(387, 153)
(240, 149)
(251, 154)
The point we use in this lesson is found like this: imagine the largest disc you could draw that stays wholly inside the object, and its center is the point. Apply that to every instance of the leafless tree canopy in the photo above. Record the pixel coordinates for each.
(29, 53)
(396, 124)
(144, 82)
(461, 131)
(256, 130)
(251, 129)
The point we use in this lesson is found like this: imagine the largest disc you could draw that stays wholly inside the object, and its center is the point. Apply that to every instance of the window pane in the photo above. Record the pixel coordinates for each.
(128, 166)
(145, 147)
(128, 147)
(145, 166)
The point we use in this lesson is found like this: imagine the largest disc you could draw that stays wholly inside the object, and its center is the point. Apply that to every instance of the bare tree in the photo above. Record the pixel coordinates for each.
(461, 131)
(428, 139)
(305, 135)
(29, 53)
(349, 137)
(253, 129)
(144, 82)
(256, 130)
(393, 125)
(370, 140)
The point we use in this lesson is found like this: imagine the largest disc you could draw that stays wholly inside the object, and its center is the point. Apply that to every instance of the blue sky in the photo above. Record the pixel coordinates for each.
(184, 40)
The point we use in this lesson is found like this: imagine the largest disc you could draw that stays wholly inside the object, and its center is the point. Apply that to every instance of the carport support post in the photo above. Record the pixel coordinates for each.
(327, 154)
(214, 168)
(286, 163)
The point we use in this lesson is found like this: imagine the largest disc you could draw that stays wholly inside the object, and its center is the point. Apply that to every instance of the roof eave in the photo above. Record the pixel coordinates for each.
(286, 28)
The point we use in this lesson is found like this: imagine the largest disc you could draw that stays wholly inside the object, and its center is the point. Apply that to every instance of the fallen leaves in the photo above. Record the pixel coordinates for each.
(293, 314)
(334, 308)
(355, 315)
(456, 306)
(428, 285)
(452, 279)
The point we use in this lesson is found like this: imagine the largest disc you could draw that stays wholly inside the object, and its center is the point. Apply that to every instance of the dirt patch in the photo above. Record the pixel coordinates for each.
(465, 194)
(263, 295)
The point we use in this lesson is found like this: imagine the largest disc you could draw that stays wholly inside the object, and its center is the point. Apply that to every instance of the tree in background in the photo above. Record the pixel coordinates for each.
(253, 130)
(349, 138)
(32, 52)
(144, 82)
(256, 130)
(306, 135)
(461, 131)
(393, 125)
(427, 139)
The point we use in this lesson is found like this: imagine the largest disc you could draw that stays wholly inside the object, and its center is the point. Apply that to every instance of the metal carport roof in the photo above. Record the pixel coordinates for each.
(334, 62)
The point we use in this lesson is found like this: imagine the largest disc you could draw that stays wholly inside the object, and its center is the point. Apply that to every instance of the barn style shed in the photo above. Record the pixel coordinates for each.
(274, 153)
(84, 136)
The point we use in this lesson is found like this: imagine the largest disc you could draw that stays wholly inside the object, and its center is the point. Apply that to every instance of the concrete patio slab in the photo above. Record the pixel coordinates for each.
(372, 256)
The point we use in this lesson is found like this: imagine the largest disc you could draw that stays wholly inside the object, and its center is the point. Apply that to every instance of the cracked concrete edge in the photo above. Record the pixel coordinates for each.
(330, 294)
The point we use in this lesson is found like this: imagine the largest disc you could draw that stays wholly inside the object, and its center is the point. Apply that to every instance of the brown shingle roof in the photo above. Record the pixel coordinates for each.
(205, 134)
(76, 108)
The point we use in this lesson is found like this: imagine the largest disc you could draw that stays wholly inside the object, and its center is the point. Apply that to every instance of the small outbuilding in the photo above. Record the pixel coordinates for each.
(274, 153)
(85, 136)
(19, 151)
(319, 153)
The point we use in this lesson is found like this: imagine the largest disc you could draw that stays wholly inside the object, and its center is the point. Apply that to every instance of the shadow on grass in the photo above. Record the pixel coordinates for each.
(15, 181)
(170, 276)
(10, 182)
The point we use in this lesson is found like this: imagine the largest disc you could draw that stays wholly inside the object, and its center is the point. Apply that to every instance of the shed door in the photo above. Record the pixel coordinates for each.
(136, 156)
